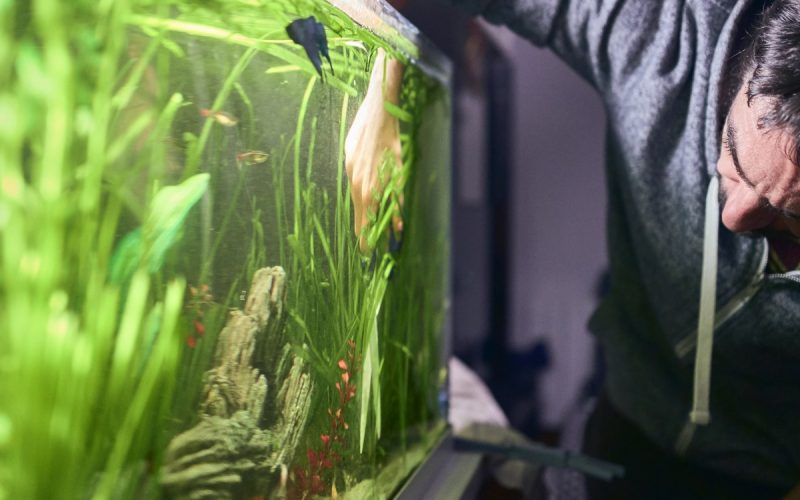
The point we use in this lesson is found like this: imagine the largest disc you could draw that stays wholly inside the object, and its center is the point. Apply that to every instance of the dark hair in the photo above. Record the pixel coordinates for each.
(774, 62)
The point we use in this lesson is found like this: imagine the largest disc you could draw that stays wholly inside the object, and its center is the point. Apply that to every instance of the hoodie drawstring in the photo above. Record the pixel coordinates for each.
(700, 414)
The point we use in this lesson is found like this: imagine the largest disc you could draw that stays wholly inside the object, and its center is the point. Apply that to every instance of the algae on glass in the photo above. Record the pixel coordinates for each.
(185, 311)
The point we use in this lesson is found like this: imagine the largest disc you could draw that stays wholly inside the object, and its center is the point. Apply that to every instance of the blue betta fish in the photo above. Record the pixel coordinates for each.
(310, 34)
(322, 42)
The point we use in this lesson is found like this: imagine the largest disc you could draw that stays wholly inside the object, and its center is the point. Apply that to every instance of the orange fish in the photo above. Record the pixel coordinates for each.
(253, 157)
(223, 118)
(199, 328)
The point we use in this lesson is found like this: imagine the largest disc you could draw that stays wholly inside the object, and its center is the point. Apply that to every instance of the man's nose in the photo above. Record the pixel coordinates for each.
(743, 210)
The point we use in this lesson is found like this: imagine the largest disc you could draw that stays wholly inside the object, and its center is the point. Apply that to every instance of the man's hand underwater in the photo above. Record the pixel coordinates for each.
(374, 134)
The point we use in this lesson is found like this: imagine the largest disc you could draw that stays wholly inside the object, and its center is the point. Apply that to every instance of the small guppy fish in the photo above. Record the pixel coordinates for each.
(221, 117)
(310, 34)
(253, 157)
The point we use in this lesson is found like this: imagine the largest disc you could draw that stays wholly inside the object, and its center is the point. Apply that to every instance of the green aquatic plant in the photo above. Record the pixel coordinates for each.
(370, 380)
(147, 246)
(337, 297)
(87, 363)
(316, 477)
(116, 192)
(415, 304)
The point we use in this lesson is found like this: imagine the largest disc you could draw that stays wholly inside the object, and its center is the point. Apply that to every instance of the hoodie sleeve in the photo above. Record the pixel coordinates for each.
(605, 41)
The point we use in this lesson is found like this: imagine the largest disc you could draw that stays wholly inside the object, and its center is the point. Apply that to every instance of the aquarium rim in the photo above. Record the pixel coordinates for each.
(446, 473)
(386, 22)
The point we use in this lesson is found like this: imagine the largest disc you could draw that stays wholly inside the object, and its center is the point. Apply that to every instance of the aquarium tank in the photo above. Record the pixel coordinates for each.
(199, 296)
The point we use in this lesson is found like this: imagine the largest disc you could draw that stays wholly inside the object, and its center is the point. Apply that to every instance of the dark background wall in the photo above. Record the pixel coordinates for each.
(553, 239)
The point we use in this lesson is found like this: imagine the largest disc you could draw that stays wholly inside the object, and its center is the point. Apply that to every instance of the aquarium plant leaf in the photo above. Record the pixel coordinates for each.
(298, 62)
(310, 34)
(170, 207)
(366, 386)
(126, 257)
(371, 391)
(289, 57)
(397, 112)
(163, 125)
(195, 152)
(165, 42)
(286, 68)
(153, 383)
(123, 96)
(130, 325)
(377, 364)
(147, 246)
(132, 132)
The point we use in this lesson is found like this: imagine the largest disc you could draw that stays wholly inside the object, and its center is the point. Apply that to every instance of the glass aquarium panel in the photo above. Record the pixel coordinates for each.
(225, 261)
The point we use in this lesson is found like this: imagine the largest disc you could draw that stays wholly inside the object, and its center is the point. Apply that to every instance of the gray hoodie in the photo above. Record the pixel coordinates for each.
(660, 68)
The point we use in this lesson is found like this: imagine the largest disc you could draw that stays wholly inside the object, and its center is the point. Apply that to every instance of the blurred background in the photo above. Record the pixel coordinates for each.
(529, 246)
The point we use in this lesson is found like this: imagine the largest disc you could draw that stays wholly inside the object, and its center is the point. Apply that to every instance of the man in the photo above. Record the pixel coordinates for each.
(677, 78)
(699, 94)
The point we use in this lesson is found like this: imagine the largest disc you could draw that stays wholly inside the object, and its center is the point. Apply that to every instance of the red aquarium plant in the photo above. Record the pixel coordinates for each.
(316, 478)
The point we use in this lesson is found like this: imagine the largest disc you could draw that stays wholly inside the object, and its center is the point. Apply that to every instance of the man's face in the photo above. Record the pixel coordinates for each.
(760, 186)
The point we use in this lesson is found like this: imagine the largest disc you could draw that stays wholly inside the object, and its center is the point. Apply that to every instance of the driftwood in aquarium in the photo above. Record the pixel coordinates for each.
(219, 458)
(236, 448)
(293, 417)
(233, 384)
(265, 303)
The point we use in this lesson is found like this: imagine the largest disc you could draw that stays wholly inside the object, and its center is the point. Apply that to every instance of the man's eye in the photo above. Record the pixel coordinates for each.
(725, 144)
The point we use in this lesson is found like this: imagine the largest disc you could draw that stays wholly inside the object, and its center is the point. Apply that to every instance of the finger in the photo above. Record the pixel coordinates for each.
(362, 239)
(349, 162)
(356, 197)
(357, 180)
(367, 203)
(367, 209)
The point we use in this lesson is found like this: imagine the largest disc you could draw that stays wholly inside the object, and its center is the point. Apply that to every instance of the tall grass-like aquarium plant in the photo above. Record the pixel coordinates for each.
(186, 310)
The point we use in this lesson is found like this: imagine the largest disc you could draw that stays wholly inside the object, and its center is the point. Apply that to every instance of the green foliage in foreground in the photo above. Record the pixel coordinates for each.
(87, 362)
